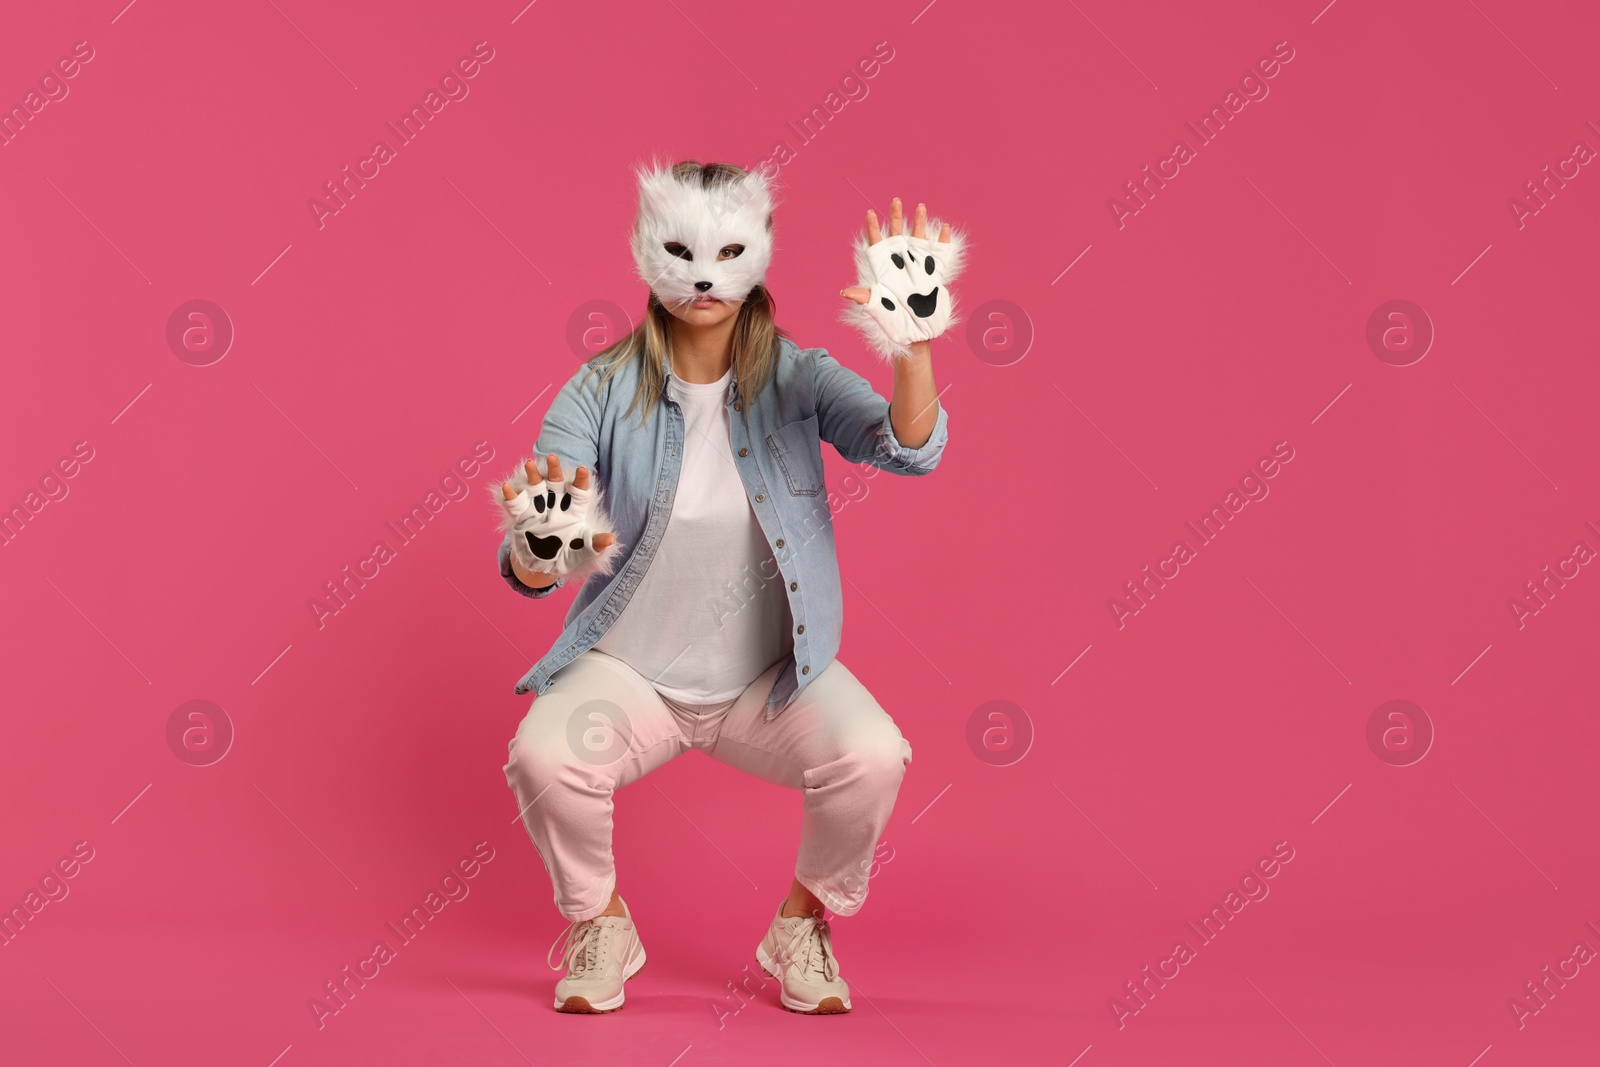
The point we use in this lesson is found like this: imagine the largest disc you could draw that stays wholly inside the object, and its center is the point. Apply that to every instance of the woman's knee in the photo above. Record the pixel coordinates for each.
(881, 752)
(859, 729)
(537, 758)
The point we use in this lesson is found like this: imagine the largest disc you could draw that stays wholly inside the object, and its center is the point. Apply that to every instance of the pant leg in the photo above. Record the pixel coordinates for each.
(838, 745)
(596, 728)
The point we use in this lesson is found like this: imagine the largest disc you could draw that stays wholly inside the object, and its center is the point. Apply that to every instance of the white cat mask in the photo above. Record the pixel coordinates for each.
(682, 228)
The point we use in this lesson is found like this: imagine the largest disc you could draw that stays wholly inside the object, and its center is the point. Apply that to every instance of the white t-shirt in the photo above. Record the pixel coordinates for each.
(705, 621)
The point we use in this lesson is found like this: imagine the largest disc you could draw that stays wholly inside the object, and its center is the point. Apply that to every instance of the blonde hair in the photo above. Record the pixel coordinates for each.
(755, 332)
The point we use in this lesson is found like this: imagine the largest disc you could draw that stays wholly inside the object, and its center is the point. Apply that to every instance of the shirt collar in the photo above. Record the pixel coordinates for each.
(669, 382)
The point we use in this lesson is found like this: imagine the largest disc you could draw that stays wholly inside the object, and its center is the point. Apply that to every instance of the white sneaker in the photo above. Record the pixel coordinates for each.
(599, 955)
(799, 953)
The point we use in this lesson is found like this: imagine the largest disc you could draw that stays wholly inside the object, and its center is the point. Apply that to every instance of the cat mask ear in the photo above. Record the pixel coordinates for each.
(683, 227)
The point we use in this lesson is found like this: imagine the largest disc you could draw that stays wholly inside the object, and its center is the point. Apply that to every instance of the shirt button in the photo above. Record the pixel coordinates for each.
(794, 587)
(737, 406)
(760, 497)
(780, 542)
(744, 451)
(806, 669)
(800, 629)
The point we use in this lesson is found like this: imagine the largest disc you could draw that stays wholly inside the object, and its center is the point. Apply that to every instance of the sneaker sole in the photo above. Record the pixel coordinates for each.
(826, 1006)
(582, 1006)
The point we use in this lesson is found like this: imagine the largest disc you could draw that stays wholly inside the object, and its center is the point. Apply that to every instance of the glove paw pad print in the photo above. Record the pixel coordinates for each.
(922, 306)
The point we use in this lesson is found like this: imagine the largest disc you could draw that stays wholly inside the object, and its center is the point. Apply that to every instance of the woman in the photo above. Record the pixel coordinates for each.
(710, 609)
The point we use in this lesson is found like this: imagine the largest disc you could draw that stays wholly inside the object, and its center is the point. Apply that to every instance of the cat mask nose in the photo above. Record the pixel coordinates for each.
(702, 286)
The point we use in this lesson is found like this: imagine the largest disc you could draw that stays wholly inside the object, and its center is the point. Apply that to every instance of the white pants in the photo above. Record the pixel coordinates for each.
(600, 726)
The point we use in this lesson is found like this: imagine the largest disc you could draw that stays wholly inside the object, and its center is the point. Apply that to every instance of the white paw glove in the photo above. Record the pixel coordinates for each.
(553, 525)
(909, 279)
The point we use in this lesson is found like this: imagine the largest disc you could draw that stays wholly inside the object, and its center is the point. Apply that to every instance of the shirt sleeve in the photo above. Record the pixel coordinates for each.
(854, 419)
(571, 428)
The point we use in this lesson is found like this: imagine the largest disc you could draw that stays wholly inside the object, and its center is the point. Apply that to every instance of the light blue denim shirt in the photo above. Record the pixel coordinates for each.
(777, 447)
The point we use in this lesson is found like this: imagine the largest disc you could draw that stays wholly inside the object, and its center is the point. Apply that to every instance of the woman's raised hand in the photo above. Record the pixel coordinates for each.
(897, 227)
(580, 480)
(557, 529)
(902, 299)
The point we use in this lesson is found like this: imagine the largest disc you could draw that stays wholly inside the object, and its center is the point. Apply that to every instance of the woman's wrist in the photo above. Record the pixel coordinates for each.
(531, 579)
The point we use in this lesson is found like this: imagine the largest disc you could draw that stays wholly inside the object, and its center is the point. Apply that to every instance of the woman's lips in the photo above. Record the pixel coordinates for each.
(705, 301)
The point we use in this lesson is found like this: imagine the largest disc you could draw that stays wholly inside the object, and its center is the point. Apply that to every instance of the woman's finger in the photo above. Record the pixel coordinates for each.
(919, 228)
(856, 293)
(897, 218)
(604, 540)
(552, 466)
(874, 235)
(507, 492)
(944, 234)
(581, 479)
(531, 469)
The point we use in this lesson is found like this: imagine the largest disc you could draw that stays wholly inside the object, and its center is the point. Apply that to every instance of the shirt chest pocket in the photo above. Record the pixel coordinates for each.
(797, 451)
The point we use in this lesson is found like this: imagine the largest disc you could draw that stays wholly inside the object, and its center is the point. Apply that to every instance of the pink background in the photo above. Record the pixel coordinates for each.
(1228, 715)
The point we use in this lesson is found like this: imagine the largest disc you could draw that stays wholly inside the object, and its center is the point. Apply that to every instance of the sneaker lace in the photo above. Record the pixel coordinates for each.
(583, 948)
(810, 949)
